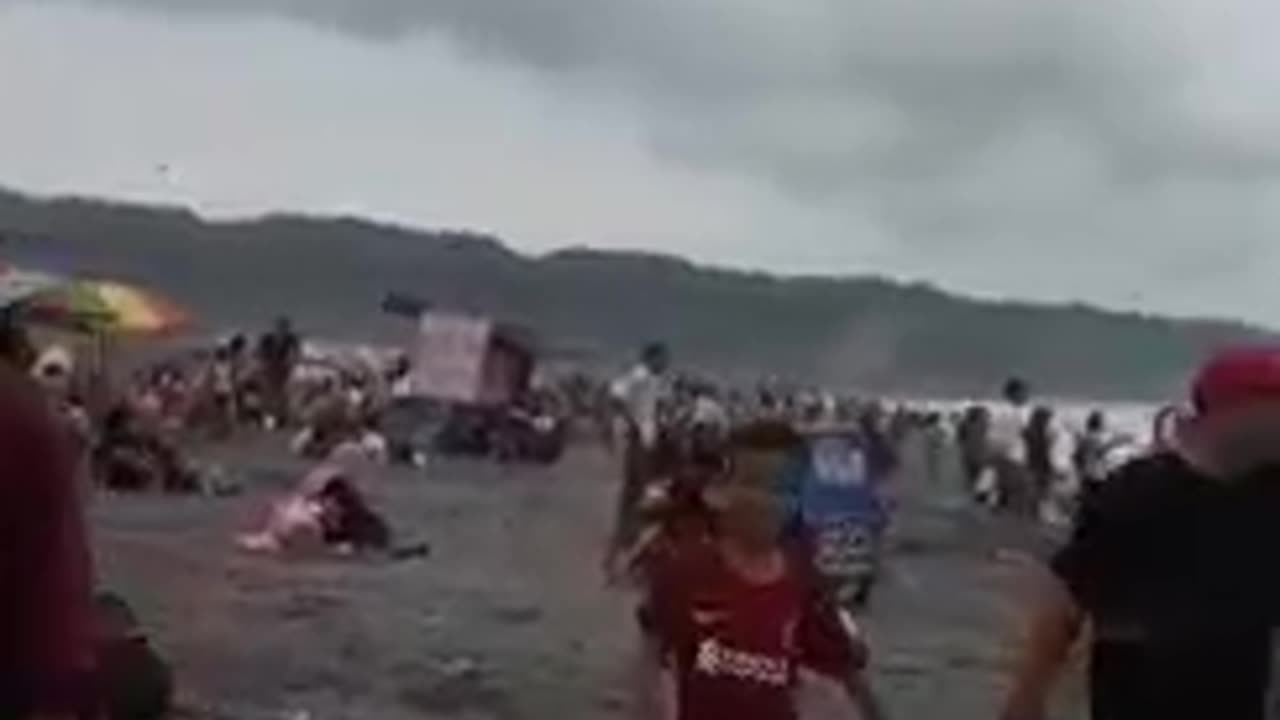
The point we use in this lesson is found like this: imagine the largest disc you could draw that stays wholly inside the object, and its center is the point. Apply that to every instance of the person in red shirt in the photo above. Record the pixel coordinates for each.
(737, 615)
(46, 630)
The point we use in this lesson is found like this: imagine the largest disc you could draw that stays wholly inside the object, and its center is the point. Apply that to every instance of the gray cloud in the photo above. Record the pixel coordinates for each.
(826, 92)
(823, 95)
(984, 131)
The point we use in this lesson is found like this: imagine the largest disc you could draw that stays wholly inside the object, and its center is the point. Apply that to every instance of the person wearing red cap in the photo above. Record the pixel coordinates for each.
(46, 630)
(1171, 566)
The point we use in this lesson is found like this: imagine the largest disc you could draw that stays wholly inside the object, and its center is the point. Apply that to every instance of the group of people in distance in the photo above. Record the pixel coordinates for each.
(68, 649)
(1164, 575)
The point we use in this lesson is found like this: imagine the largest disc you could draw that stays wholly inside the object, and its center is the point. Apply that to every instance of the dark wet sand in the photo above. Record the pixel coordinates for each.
(508, 618)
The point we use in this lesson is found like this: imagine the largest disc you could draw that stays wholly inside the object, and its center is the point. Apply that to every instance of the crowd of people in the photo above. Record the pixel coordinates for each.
(1162, 561)
(67, 657)
(132, 438)
(1021, 458)
(234, 389)
(1015, 455)
(721, 527)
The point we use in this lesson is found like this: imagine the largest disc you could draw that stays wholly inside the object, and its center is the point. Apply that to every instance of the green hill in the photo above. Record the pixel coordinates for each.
(331, 274)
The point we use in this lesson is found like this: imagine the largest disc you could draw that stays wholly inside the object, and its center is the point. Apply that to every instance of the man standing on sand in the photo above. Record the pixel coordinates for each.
(46, 632)
(278, 354)
(637, 397)
(1007, 450)
(1171, 565)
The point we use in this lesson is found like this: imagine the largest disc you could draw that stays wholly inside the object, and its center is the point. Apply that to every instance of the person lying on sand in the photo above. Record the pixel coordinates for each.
(347, 523)
(293, 521)
(328, 513)
(293, 524)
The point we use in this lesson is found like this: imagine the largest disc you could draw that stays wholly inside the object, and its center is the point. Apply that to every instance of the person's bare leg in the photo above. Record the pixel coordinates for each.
(634, 477)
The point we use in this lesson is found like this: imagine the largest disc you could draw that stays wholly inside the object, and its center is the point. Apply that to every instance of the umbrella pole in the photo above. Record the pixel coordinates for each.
(101, 373)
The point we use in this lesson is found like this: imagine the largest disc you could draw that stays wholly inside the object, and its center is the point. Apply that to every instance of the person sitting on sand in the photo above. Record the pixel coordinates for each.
(327, 512)
(328, 422)
(127, 458)
(293, 522)
(121, 461)
(334, 435)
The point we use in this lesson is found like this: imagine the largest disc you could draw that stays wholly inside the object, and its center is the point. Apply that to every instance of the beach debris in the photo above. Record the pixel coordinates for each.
(410, 551)
(455, 685)
(517, 614)
(304, 605)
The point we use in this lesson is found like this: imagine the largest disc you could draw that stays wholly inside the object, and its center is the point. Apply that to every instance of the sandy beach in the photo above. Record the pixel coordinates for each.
(508, 618)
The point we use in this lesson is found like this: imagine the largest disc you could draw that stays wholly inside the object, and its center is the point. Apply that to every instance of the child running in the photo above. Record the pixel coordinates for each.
(737, 614)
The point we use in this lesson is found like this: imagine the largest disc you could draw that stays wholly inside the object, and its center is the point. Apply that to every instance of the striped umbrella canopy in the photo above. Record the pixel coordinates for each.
(19, 284)
(106, 307)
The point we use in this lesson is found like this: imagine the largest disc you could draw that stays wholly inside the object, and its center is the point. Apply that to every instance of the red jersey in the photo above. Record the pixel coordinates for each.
(737, 647)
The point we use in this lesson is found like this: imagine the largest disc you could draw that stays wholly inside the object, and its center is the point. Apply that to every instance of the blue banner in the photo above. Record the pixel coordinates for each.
(835, 501)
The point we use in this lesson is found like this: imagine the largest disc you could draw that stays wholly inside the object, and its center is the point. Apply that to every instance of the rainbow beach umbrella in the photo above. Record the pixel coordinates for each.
(106, 307)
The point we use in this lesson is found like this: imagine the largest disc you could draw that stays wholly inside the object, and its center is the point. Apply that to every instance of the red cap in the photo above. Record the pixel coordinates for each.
(1237, 377)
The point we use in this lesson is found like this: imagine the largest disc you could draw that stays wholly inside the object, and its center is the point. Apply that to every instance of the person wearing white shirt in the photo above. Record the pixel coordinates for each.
(638, 394)
(637, 398)
(1006, 434)
(1007, 447)
(709, 414)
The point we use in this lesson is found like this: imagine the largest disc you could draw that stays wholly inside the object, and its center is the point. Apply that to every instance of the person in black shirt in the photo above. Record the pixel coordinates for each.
(278, 353)
(1039, 437)
(1171, 567)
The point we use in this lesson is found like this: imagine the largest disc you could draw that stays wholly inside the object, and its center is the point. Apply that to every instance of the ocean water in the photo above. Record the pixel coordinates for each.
(1126, 418)
(1135, 419)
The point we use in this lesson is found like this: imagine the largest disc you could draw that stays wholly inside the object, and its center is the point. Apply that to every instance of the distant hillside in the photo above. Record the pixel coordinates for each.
(331, 274)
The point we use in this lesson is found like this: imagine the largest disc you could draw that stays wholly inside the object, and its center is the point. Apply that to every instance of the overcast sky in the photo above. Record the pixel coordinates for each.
(1124, 152)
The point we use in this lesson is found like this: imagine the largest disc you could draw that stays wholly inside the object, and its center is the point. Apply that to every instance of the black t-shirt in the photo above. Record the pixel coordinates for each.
(1180, 576)
(278, 350)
